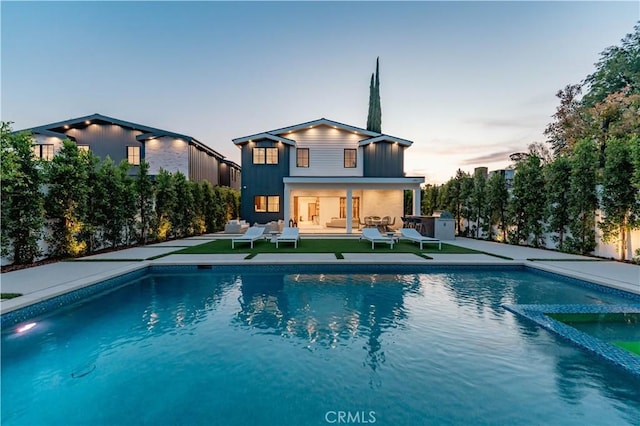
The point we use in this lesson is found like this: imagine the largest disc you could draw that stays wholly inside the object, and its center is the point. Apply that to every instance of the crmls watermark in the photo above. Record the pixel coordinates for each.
(353, 417)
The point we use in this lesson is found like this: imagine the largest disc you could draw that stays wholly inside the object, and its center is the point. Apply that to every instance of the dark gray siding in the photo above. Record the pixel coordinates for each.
(203, 166)
(262, 179)
(383, 159)
(108, 140)
(230, 176)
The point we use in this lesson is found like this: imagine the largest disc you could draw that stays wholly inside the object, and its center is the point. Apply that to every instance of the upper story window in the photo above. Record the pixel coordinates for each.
(44, 152)
(265, 155)
(133, 155)
(302, 157)
(350, 158)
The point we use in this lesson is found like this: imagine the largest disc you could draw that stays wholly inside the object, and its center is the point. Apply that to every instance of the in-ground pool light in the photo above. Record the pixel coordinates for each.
(26, 327)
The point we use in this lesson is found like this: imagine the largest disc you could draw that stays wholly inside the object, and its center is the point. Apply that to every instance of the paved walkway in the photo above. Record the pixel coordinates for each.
(42, 282)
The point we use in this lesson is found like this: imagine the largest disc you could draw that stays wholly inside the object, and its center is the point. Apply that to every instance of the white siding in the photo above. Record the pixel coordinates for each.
(326, 152)
(49, 140)
(167, 153)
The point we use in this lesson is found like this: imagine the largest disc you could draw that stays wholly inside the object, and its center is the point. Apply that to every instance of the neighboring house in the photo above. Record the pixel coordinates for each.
(230, 174)
(324, 174)
(123, 140)
(507, 175)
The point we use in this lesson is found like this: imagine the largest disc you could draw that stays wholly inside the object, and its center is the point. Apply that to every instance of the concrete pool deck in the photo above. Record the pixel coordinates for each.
(43, 282)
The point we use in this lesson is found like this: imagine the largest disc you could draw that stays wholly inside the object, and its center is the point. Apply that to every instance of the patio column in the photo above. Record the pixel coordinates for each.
(287, 204)
(417, 201)
(349, 210)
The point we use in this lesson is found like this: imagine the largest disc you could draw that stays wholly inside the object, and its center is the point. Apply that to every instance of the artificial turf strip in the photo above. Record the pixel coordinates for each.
(336, 246)
(5, 296)
(633, 347)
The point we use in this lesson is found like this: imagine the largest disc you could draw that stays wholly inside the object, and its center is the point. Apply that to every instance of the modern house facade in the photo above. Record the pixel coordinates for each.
(123, 140)
(324, 174)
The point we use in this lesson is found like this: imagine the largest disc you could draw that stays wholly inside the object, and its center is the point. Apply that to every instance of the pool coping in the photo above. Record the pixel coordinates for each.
(28, 299)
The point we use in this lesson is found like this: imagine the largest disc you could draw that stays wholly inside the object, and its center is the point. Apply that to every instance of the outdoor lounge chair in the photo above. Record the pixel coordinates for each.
(373, 235)
(289, 235)
(413, 235)
(253, 234)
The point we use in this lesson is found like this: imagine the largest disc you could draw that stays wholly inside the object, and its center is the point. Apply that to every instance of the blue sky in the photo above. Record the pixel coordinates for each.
(468, 82)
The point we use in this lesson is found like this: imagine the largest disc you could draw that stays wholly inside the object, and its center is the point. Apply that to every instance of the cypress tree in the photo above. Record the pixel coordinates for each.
(374, 120)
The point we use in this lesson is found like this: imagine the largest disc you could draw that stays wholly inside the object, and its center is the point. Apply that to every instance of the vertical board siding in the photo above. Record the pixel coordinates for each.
(326, 152)
(383, 159)
(109, 140)
(263, 179)
(203, 166)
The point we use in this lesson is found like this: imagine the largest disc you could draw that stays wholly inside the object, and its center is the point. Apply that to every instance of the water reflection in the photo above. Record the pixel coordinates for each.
(326, 311)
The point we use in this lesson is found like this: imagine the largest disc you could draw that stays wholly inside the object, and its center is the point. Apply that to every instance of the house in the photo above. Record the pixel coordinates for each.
(123, 140)
(323, 174)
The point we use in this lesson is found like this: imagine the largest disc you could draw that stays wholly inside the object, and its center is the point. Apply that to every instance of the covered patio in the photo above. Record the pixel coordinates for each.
(339, 205)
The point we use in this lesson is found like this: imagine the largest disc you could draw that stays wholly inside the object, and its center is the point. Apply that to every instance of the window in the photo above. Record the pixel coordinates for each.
(83, 148)
(133, 155)
(272, 155)
(350, 158)
(273, 203)
(355, 207)
(44, 152)
(302, 157)
(258, 156)
(266, 203)
(260, 203)
(265, 155)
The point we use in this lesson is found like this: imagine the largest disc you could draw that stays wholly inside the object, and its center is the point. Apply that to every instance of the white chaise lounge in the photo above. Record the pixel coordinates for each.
(289, 235)
(413, 235)
(373, 235)
(253, 234)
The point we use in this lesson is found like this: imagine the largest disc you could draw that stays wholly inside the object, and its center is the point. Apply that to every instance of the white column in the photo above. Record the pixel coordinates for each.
(417, 201)
(349, 210)
(287, 204)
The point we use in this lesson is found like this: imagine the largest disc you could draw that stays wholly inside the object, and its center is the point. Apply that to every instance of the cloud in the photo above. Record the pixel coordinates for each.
(493, 157)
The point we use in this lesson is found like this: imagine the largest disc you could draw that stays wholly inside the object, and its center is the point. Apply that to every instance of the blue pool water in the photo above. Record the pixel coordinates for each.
(200, 347)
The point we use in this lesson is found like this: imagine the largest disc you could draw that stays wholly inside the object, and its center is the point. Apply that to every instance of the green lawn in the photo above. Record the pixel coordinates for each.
(319, 246)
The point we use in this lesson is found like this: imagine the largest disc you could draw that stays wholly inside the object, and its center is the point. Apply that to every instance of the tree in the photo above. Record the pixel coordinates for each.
(634, 148)
(583, 199)
(66, 200)
(430, 199)
(183, 207)
(618, 194)
(558, 186)
(111, 204)
(374, 121)
(165, 202)
(618, 67)
(498, 204)
(570, 121)
(212, 207)
(198, 224)
(478, 204)
(144, 202)
(22, 199)
(528, 204)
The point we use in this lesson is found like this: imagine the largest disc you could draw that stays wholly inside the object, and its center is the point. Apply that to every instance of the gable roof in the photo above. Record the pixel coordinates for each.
(58, 129)
(275, 135)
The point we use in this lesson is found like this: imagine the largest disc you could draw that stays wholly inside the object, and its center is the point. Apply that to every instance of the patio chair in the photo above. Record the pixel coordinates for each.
(253, 234)
(373, 235)
(289, 235)
(413, 235)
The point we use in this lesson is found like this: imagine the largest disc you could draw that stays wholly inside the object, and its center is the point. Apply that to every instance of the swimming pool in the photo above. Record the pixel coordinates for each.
(272, 346)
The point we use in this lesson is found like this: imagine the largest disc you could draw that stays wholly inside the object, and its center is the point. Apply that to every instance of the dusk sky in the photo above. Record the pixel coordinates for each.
(468, 82)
